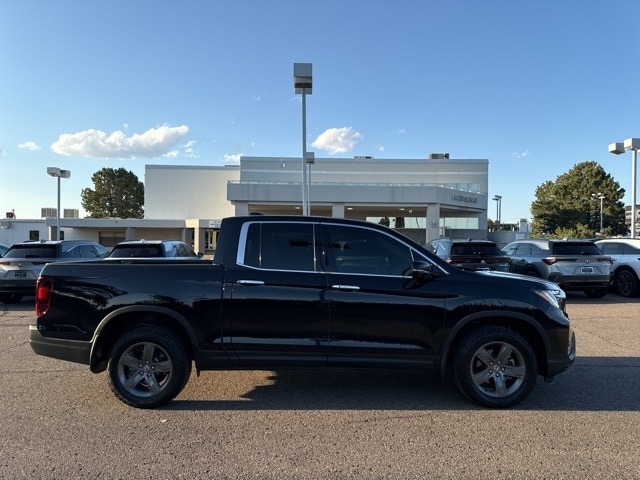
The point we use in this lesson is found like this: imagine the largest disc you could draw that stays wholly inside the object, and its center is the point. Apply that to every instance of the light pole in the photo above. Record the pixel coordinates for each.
(617, 148)
(311, 159)
(601, 197)
(498, 200)
(303, 83)
(59, 173)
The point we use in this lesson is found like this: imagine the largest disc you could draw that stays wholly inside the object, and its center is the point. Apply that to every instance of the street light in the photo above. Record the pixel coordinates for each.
(58, 173)
(498, 200)
(303, 83)
(617, 148)
(601, 197)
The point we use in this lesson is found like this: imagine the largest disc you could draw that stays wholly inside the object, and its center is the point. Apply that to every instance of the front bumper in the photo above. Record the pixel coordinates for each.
(70, 350)
(557, 364)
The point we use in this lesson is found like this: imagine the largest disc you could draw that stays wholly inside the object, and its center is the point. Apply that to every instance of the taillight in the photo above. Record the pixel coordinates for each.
(550, 260)
(44, 288)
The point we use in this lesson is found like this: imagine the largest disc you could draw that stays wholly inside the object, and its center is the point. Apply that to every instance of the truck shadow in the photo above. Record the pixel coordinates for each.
(591, 384)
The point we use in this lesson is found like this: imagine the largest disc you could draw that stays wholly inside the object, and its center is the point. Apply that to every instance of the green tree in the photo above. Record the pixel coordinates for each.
(570, 207)
(116, 194)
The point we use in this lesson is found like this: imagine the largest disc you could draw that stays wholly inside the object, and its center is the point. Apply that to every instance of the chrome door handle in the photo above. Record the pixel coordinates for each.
(250, 282)
(345, 287)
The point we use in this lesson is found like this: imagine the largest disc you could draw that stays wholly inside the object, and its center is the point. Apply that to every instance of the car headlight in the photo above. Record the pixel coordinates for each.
(555, 297)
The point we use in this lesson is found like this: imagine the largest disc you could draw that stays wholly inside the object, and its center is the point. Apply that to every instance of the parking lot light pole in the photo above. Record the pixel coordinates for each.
(498, 200)
(303, 83)
(58, 173)
(617, 148)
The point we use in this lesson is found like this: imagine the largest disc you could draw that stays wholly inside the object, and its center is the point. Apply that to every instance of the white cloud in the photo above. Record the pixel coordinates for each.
(190, 151)
(155, 142)
(232, 158)
(171, 154)
(521, 154)
(337, 140)
(2, 152)
(380, 148)
(29, 146)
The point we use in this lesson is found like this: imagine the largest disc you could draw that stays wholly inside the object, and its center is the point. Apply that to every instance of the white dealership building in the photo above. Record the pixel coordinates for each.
(426, 198)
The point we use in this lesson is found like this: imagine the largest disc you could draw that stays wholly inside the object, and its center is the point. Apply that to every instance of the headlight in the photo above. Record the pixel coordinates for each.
(555, 297)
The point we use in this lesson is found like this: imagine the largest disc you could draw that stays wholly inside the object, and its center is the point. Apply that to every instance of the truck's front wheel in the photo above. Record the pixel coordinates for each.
(148, 367)
(495, 367)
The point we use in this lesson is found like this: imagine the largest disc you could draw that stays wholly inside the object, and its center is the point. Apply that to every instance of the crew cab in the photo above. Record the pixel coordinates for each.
(302, 292)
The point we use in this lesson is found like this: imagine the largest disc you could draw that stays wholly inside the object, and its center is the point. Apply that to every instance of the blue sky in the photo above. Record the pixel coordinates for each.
(533, 86)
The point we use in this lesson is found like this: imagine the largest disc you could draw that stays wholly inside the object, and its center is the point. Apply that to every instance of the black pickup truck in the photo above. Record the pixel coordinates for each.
(302, 292)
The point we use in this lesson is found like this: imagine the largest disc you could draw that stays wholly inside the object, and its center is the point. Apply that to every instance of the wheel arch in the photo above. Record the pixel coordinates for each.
(526, 326)
(625, 268)
(128, 318)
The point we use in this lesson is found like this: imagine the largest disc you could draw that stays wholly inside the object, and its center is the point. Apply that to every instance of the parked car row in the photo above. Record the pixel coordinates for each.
(575, 265)
(21, 264)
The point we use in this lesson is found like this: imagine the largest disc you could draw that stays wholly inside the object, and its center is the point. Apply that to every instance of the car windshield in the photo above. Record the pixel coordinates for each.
(32, 251)
(482, 249)
(574, 249)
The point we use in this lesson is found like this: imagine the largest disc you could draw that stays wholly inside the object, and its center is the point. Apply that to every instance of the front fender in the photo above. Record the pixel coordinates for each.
(516, 320)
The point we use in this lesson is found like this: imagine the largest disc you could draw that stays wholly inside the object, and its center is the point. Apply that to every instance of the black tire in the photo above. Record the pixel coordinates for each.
(532, 272)
(495, 367)
(148, 367)
(10, 298)
(595, 292)
(626, 283)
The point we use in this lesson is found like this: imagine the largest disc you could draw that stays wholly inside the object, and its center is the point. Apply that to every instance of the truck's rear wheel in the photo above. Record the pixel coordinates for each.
(495, 367)
(148, 367)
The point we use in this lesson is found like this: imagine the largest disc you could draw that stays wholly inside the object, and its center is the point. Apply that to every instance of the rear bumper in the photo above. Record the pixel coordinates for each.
(62, 349)
(23, 287)
(577, 282)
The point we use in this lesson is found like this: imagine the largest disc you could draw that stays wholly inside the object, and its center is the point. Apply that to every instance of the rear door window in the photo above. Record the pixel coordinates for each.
(280, 246)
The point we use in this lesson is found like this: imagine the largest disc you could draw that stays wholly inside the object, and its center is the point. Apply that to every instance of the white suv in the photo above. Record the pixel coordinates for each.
(625, 253)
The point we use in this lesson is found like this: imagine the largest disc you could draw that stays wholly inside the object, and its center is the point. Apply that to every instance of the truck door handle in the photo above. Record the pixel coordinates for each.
(250, 282)
(345, 287)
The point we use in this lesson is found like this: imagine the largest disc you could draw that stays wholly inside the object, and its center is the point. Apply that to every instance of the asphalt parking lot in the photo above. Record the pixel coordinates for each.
(60, 421)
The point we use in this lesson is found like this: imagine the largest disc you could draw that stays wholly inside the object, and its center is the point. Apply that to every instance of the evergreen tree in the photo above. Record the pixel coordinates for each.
(116, 194)
(570, 207)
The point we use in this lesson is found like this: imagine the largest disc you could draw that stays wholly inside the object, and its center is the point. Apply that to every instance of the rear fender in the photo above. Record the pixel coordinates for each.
(129, 317)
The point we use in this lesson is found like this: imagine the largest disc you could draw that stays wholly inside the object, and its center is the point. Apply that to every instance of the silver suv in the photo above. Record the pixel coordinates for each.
(572, 264)
(625, 254)
(21, 265)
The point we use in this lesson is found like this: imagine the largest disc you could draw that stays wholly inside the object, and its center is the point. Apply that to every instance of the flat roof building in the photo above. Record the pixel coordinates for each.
(427, 197)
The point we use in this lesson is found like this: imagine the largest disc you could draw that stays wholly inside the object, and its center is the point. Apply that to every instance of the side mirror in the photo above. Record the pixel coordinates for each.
(422, 271)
